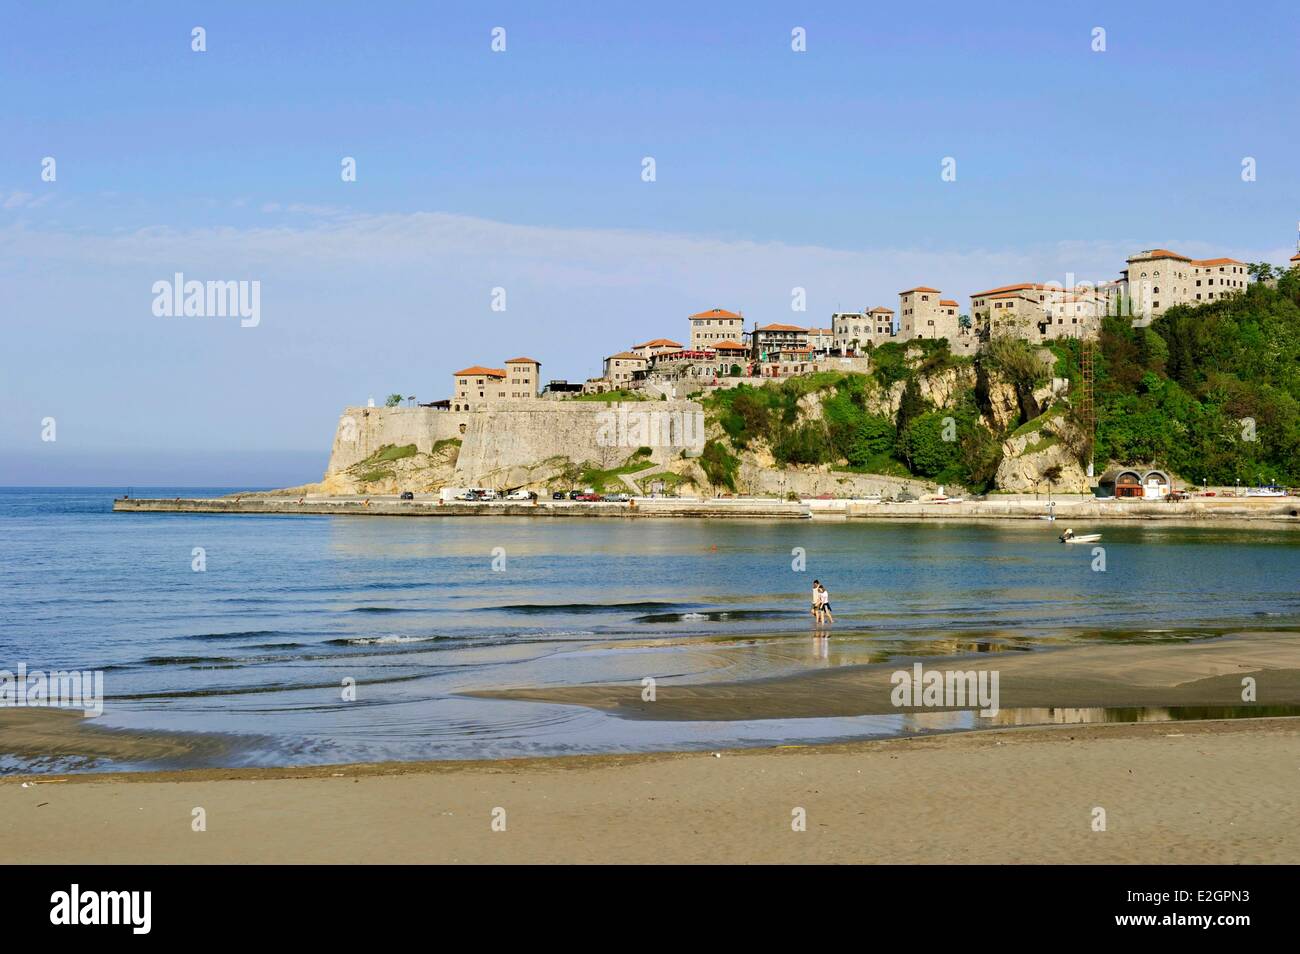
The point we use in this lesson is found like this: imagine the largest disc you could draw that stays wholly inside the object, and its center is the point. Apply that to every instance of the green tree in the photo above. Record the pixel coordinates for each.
(911, 405)
(393, 400)
(875, 436)
(930, 446)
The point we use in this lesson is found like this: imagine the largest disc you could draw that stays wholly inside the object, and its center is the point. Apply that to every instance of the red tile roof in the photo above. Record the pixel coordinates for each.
(780, 328)
(716, 313)
(1021, 286)
(524, 361)
(876, 311)
(659, 343)
(627, 356)
(1159, 253)
(948, 301)
(921, 288)
(478, 369)
(730, 346)
(1206, 262)
(1296, 257)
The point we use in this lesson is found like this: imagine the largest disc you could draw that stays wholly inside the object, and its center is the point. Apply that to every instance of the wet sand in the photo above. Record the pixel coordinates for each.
(65, 734)
(1201, 792)
(1203, 673)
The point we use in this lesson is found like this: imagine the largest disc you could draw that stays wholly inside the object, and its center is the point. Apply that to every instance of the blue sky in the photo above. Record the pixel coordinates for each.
(521, 169)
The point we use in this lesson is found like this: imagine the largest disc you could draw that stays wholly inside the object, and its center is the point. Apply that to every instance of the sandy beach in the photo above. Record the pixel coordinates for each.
(1203, 792)
(1178, 790)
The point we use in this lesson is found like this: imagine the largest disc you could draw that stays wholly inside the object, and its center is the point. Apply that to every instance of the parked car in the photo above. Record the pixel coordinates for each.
(590, 498)
(574, 494)
(616, 498)
(521, 495)
(407, 495)
(558, 495)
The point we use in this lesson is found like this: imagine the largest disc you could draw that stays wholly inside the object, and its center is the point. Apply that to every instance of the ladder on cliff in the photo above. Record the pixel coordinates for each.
(1087, 410)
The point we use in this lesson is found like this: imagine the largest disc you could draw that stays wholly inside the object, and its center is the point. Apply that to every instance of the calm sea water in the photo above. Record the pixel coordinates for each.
(259, 644)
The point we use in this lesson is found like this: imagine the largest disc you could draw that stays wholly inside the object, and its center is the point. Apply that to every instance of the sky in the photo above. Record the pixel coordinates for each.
(524, 169)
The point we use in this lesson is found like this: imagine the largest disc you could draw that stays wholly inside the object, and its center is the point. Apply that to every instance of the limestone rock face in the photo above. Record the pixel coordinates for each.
(941, 389)
(883, 402)
(1004, 409)
(814, 481)
(1028, 456)
(420, 473)
(810, 407)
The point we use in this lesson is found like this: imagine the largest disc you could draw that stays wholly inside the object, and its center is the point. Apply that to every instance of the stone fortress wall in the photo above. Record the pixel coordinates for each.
(501, 437)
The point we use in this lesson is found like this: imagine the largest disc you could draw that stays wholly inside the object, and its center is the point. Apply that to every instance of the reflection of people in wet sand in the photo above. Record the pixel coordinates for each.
(824, 605)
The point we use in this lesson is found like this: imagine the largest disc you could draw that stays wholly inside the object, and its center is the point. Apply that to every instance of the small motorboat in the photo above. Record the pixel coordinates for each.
(1071, 537)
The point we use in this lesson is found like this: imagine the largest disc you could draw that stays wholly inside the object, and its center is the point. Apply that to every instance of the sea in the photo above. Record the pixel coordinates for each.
(327, 639)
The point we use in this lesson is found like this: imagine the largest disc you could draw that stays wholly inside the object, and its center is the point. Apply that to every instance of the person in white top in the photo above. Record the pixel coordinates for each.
(824, 604)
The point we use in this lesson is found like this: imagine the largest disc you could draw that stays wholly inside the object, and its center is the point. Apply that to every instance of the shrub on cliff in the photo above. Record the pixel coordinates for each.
(719, 465)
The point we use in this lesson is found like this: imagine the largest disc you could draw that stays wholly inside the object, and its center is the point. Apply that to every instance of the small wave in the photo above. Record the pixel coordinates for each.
(585, 607)
(276, 646)
(255, 690)
(556, 634)
(184, 660)
(242, 634)
(384, 609)
(716, 616)
(381, 640)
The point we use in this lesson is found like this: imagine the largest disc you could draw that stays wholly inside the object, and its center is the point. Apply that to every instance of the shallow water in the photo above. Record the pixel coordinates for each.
(260, 643)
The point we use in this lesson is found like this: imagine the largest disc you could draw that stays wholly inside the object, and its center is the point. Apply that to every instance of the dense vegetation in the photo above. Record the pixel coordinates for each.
(1211, 392)
(945, 444)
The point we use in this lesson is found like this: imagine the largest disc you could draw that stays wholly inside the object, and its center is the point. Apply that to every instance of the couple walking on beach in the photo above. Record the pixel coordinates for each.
(821, 604)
